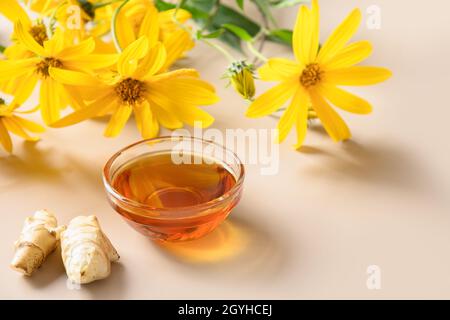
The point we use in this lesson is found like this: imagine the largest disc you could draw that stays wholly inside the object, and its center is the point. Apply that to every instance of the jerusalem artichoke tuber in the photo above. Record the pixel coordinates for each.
(86, 251)
(39, 237)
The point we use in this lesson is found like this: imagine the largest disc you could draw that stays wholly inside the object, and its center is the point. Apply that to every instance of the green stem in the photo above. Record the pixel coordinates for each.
(2, 48)
(220, 49)
(255, 52)
(113, 25)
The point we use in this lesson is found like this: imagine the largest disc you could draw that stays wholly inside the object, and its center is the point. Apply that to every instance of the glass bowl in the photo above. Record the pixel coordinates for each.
(179, 223)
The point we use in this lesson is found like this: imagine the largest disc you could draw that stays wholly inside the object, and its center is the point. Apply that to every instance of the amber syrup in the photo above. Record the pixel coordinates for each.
(175, 198)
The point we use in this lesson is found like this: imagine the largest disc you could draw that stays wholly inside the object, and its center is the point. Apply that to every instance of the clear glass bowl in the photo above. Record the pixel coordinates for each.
(181, 223)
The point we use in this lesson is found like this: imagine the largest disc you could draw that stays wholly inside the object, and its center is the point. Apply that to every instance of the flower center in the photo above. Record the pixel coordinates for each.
(130, 91)
(2, 102)
(39, 33)
(43, 65)
(311, 75)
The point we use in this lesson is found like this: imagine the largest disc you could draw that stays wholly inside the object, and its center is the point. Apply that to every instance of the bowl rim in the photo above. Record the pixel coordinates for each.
(205, 205)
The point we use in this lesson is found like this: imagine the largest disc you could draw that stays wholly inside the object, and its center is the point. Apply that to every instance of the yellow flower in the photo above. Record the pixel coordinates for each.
(168, 99)
(11, 122)
(12, 10)
(313, 79)
(140, 17)
(54, 95)
(65, 15)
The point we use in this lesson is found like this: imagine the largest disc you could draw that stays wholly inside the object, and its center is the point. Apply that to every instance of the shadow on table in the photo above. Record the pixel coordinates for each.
(237, 246)
(381, 164)
(109, 288)
(51, 270)
(32, 162)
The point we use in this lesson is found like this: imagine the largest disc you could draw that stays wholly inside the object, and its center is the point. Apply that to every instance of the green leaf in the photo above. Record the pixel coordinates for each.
(283, 36)
(240, 3)
(213, 34)
(227, 15)
(2, 48)
(163, 5)
(201, 9)
(203, 5)
(287, 3)
(241, 33)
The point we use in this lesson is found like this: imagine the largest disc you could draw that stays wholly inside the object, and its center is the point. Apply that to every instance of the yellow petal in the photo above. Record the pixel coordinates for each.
(315, 30)
(93, 93)
(17, 51)
(5, 139)
(186, 90)
(118, 120)
(27, 40)
(145, 120)
(55, 44)
(194, 116)
(143, 117)
(278, 69)
(184, 112)
(153, 62)
(83, 48)
(174, 74)
(124, 30)
(301, 38)
(129, 58)
(25, 87)
(29, 125)
(74, 97)
(15, 68)
(273, 99)
(150, 25)
(350, 55)
(167, 119)
(49, 100)
(92, 61)
(332, 122)
(177, 43)
(298, 104)
(104, 47)
(73, 78)
(345, 100)
(340, 37)
(287, 121)
(12, 10)
(15, 128)
(302, 124)
(92, 110)
(155, 127)
(357, 76)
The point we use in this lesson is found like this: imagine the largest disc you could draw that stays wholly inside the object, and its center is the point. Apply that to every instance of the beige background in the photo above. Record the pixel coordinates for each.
(309, 232)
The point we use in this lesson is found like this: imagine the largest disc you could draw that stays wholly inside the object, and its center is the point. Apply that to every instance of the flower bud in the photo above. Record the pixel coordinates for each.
(241, 77)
